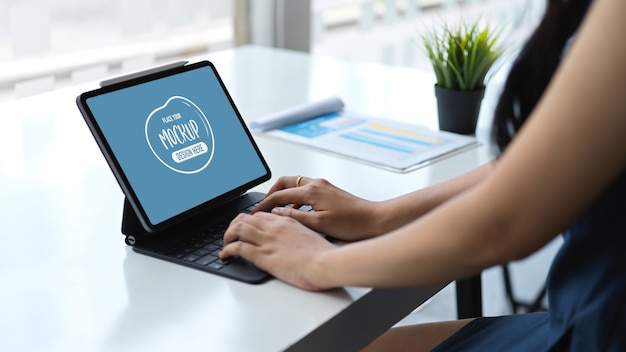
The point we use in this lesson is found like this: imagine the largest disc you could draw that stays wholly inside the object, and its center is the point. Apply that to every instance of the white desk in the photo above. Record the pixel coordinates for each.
(69, 283)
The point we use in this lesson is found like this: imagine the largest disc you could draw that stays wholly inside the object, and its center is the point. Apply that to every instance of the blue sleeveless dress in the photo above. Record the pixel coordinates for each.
(586, 292)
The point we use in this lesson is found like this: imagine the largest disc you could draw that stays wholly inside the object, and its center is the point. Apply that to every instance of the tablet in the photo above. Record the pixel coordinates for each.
(175, 142)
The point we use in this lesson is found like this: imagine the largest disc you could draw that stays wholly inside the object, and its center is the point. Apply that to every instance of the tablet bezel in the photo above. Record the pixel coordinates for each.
(119, 174)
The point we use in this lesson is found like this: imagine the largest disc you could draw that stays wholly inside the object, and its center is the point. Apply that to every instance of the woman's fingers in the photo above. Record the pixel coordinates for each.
(249, 228)
(285, 182)
(241, 249)
(244, 227)
(306, 218)
(283, 197)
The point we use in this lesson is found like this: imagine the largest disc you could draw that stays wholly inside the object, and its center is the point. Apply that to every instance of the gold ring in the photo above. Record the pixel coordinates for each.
(298, 181)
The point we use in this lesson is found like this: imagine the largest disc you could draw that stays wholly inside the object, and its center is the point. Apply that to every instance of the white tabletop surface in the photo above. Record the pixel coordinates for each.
(68, 281)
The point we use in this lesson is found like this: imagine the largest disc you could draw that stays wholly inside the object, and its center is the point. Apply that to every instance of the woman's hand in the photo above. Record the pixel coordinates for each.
(279, 245)
(337, 213)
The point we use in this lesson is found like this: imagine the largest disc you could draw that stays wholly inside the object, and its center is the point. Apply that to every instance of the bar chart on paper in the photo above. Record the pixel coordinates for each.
(392, 139)
(398, 146)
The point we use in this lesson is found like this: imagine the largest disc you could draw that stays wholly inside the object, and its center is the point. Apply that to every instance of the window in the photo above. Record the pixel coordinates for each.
(48, 42)
(387, 31)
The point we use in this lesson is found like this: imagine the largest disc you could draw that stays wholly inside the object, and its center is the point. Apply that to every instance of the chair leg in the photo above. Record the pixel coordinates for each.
(508, 288)
(537, 305)
(518, 306)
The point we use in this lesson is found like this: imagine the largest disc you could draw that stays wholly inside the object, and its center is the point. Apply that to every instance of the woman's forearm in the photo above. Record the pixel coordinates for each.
(399, 211)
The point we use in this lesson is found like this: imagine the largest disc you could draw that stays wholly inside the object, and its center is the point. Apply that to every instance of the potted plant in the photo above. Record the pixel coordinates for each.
(461, 56)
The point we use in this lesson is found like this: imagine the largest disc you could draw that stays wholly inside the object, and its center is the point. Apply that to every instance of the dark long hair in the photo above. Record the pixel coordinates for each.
(534, 66)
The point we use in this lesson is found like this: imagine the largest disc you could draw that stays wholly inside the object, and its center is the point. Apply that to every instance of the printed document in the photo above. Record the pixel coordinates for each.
(394, 145)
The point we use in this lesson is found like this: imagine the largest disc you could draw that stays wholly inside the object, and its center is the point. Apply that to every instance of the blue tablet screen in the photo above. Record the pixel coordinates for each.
(178, 141)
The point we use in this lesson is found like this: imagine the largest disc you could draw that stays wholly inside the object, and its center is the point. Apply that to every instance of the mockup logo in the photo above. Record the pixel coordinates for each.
(180, 136)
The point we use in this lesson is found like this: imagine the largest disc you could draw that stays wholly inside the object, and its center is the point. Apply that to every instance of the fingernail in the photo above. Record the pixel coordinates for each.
(277, 211)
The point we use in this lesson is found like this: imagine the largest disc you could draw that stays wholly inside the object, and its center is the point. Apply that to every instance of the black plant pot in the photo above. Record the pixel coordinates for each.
(458, 110)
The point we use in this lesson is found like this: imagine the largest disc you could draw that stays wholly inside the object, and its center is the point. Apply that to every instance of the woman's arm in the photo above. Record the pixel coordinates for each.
(569, 152)
(400, 211)
(342, 215)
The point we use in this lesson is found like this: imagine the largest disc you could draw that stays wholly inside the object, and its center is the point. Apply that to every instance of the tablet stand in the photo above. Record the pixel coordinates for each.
(131, 227)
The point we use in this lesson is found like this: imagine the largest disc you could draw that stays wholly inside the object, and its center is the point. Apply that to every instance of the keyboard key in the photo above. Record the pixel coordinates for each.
(213, 235)
(201, 252)
(215, 265)
(191, 258)
(211, 247)
(207, 259)
(226, 261)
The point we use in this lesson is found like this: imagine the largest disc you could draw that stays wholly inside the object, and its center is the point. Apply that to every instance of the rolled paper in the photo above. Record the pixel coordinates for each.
(297, 114)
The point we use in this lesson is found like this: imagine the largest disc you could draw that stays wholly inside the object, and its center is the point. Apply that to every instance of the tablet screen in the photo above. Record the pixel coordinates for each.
(178, 141)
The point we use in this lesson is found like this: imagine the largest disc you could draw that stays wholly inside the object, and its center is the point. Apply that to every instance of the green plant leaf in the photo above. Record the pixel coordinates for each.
(462, 54)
